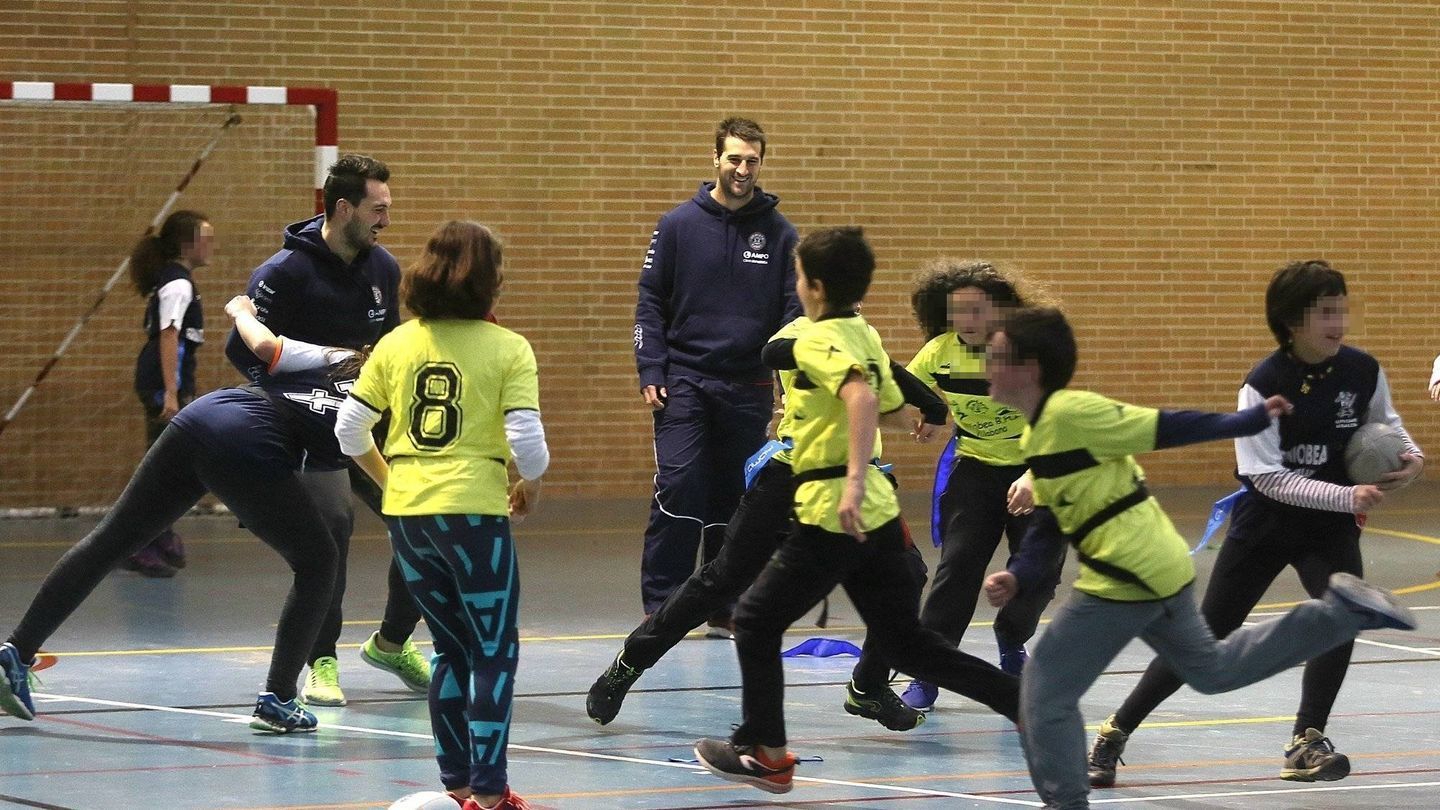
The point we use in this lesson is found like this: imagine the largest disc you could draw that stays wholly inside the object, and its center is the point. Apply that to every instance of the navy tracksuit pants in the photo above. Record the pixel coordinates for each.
(703, 435)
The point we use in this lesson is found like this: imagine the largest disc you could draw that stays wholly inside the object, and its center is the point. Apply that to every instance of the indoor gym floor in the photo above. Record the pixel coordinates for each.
(148, 705)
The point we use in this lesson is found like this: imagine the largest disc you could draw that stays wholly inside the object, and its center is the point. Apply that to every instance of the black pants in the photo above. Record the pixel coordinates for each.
(154, 426)
(973, 506)
(1262, 541)
(331, 490)
(751, 536)
(174, 474)
(879, 582)
(974, 514)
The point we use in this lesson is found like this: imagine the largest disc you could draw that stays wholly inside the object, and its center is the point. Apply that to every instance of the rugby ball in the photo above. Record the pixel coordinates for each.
(1372, 451)
(426, 800)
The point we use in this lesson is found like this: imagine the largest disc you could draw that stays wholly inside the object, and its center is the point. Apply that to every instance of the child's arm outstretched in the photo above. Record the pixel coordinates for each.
(280, 354)
(257, 336)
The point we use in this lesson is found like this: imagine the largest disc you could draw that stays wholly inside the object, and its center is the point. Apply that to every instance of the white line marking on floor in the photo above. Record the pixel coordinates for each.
(380, 732)
(1275, 792)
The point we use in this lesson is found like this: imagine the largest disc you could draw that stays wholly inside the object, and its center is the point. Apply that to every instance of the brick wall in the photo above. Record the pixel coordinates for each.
(1153, 161)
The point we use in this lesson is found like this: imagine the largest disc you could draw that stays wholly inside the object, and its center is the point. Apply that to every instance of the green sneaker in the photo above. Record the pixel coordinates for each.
(322, 688)
(409, 664)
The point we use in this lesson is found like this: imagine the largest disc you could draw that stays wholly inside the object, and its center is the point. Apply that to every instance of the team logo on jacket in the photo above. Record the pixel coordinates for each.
(1345, 410)
(756, 254)
(376, 292)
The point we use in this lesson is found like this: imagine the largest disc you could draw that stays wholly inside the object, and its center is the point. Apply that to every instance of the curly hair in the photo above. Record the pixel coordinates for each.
(1005, 285)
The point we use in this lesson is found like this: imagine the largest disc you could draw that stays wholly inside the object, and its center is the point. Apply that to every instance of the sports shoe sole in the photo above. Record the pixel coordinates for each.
(745, 779)
(1104, 781)
(10, 704)
(862, 711)
(423, 689)
(1332, 771)
(1357, 593)
(261, 724)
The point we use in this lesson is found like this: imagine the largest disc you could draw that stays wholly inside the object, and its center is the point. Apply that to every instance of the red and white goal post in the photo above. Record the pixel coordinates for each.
(88, 166)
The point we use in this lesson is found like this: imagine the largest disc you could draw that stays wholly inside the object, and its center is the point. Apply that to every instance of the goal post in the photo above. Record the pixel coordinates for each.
(323, 100)
(87, 167)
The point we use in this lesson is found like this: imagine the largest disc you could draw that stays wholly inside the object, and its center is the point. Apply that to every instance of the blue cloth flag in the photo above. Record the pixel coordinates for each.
(757, 462)
(944, 466)
(822, 648)
(1219, 513)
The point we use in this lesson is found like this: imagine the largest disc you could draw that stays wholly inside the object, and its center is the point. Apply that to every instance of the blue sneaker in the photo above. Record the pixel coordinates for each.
(920, 695)
(1012, 657)
(281, 717)
(1376, 606)
(15, 686)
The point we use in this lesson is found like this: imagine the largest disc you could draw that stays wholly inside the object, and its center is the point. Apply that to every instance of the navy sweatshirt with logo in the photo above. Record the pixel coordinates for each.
(306, 292)
(716, 285)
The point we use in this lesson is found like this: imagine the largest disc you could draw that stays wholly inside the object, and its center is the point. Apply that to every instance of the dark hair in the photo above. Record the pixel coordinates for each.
(1295, 288)
(459, 274)
(842, 259)
(346, 179)
(930, 302)
(345, 364)
(742, 128)
(1042, 334)
(155, 250)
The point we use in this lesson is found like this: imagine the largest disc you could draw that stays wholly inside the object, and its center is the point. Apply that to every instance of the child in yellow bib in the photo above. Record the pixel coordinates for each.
(847, 529)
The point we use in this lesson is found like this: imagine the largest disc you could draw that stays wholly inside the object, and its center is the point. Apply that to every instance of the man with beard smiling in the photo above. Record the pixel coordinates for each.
(333, 285)
(718, 281)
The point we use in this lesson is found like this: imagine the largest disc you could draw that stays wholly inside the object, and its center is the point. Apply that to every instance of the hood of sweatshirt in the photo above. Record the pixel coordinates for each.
(307, 237)
(760, 202)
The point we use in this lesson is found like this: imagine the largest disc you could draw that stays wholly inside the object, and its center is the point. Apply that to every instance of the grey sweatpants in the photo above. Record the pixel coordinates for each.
(1087, 633)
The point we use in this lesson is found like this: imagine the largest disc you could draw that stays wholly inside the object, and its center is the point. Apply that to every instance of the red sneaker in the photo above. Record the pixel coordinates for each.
(746, 764)
(507, 802)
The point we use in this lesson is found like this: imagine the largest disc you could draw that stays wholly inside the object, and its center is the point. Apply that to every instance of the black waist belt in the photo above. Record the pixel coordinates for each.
(838, 471)
(1139, 496)
(821, 474)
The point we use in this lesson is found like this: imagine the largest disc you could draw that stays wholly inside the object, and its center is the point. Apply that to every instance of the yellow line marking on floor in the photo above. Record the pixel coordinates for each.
(265, 648)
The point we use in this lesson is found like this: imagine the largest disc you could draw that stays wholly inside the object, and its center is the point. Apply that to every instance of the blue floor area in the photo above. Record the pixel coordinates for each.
(148, 704)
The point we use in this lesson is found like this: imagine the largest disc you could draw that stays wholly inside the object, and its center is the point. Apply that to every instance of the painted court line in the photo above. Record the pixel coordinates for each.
(236, 718)
(881, 787)
(1272, 792)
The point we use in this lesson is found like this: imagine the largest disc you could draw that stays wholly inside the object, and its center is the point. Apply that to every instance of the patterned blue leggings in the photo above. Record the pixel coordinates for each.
(461, 570)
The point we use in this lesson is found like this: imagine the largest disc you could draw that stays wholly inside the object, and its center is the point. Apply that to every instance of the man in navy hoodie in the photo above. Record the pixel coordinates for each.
(718, 281)
(332, 284)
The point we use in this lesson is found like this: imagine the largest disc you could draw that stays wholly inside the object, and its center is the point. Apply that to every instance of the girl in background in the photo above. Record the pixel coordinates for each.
(161, 267)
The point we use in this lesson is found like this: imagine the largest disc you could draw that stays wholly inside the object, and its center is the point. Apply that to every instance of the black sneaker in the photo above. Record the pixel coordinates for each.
(1105, 755)
(742, 764)
(608, 691)
(1311, 757)
(883, 706)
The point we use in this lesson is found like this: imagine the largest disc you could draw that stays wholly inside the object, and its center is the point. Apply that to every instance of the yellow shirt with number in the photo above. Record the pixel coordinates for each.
(448, 385)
